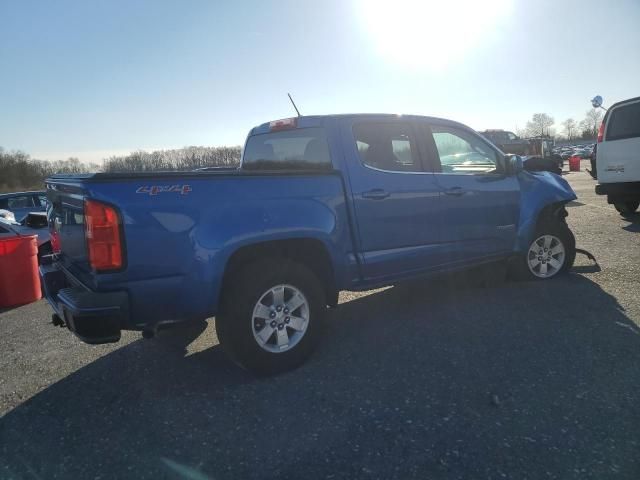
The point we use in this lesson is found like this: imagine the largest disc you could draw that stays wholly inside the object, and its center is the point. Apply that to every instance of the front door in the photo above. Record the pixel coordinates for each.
(480, 205)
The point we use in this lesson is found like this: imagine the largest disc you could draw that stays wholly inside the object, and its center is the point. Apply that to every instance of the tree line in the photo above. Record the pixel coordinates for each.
(18, 171)
(541, 124)
(188, 158)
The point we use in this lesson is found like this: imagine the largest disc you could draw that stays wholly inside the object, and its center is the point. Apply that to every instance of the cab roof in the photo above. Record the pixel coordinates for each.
(308, 121)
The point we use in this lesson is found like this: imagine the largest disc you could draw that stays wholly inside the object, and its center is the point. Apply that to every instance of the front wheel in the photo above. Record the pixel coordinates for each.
(551, 253)
(272, 316)
(627, 207)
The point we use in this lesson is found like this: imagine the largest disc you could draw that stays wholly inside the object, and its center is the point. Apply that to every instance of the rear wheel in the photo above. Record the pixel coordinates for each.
(551, 253)
(627, 207)
(272, 316)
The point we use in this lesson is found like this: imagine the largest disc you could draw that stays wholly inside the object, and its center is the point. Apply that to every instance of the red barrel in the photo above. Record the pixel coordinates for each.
(574, 163)
(19, 279)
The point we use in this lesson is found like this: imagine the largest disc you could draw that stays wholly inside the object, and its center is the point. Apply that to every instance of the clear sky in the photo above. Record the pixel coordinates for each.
(90, 78)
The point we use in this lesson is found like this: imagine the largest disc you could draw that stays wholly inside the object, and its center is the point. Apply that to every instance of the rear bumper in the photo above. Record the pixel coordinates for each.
(94, 317)
(619, 191)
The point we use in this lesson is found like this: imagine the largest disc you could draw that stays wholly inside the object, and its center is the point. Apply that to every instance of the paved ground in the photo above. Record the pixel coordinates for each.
(434, 380)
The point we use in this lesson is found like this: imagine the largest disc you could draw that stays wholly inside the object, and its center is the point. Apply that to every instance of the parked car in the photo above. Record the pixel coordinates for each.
(21, 203)
(320, 204)
(34, 223)
(581, 152)
(618, 156)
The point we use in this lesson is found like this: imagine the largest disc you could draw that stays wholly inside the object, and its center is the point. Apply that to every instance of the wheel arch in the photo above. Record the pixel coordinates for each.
(553, 211)
(310, 252)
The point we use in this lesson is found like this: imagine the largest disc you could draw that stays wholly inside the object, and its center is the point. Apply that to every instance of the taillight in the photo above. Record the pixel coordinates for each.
(102, 229)
(54, 234)
(284, 124)
(54, 238)
(601, 132)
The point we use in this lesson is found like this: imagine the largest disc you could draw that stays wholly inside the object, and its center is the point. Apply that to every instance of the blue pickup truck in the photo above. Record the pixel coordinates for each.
(318, 205)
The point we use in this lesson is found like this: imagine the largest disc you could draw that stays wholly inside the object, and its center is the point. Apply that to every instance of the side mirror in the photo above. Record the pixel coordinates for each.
(596, 101)
(513, 164)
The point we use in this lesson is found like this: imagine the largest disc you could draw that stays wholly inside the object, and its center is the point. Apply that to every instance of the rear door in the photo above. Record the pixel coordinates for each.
(480, 206)
(395, 199)
(618, 157)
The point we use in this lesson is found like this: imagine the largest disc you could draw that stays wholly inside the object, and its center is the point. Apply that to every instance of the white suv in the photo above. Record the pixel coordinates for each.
(618, 156)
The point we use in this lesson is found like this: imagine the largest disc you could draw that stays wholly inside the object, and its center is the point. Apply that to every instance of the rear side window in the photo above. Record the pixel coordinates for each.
(624, 122)
(387, 146)
(298, 149)
(25, 201)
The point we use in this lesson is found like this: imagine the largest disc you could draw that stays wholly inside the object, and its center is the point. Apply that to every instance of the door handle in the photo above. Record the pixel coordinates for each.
(454, 191)
(376, 194)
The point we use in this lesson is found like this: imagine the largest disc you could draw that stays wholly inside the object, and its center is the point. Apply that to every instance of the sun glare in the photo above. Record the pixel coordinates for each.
(430, 33)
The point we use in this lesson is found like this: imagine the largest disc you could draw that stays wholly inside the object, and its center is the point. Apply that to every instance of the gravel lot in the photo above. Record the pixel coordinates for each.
(432, 380)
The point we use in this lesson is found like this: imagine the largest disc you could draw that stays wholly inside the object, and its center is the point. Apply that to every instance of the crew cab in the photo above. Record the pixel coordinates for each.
(617, 156)
(318, 205)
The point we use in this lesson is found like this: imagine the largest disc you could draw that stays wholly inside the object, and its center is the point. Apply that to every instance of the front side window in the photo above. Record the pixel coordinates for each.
(462, 152)
(624, 122)
(387, 146)
(297, 149)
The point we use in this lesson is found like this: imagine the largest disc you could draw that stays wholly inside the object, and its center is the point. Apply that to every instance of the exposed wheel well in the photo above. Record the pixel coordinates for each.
(307, 251)
(554, 211)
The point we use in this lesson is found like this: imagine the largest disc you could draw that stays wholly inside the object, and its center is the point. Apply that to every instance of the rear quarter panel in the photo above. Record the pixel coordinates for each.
(178, 244)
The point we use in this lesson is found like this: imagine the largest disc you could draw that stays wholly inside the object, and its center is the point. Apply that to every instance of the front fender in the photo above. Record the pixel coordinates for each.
(538, 190)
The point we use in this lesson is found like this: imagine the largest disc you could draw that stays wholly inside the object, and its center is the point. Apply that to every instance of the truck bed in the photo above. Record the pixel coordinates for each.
(180, 228)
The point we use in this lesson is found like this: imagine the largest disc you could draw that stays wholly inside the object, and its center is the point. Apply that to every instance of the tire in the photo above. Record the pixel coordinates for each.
(627, 207)
(252, 290)
(528, 267)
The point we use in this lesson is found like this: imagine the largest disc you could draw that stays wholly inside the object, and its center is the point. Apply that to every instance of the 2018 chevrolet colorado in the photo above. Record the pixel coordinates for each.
(319, 204)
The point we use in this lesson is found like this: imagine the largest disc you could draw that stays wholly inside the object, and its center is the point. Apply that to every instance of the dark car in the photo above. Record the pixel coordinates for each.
(507, 141)
(22, 203)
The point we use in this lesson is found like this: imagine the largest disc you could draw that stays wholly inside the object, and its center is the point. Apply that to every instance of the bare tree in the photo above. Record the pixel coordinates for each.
(20, 172)
(540, 124)
(188, 158)
(570, 126)
(591, 123)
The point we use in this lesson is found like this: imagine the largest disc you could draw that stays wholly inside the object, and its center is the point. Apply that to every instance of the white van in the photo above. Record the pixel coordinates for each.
(618, 156)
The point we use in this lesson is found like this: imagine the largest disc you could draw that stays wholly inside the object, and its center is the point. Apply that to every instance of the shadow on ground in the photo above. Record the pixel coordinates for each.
(436, 379)
(634, 222)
